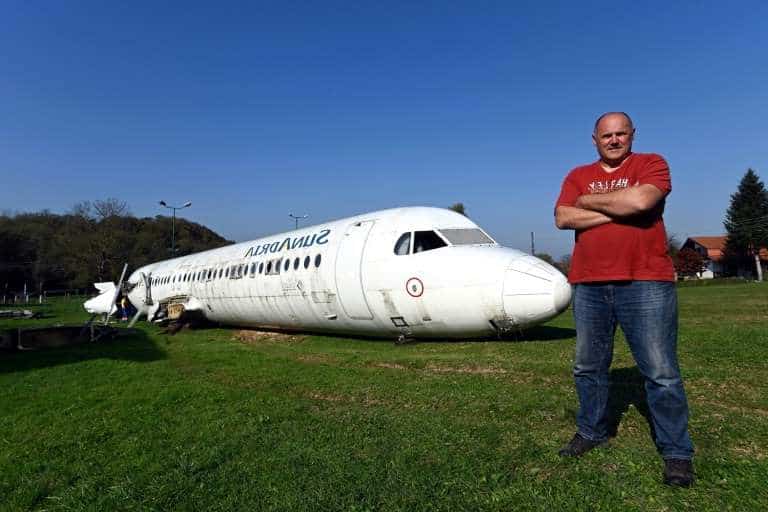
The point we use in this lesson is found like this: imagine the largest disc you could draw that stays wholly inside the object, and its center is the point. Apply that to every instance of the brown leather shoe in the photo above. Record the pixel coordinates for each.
(578, 446)
(678, 472)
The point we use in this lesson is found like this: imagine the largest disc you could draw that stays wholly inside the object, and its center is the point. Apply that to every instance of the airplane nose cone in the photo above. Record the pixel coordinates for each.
(534, 291)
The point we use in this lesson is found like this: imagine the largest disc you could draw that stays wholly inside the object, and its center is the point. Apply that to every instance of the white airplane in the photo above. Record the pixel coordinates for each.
(405, 273)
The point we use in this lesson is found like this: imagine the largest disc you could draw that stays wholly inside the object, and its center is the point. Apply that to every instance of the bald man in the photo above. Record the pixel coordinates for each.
(622, 275)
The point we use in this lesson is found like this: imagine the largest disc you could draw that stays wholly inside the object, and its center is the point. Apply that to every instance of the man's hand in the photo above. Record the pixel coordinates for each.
(623, 203)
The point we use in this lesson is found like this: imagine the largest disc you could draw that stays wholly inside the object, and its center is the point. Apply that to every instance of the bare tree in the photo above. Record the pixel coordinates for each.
(110, 207)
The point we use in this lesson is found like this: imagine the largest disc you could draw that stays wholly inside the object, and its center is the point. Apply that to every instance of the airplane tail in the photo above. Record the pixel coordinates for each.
(104, 303)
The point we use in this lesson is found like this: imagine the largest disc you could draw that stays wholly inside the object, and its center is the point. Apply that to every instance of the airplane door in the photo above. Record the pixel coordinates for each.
(349, 278)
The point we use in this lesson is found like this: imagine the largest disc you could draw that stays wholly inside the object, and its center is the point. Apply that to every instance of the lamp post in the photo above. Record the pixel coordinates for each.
(173, 222)
(297, 217)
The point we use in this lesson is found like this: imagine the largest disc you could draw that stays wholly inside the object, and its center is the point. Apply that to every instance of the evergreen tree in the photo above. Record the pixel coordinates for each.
(746, 221)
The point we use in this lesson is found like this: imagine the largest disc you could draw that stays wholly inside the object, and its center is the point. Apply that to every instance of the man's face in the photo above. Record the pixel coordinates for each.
(613, 138)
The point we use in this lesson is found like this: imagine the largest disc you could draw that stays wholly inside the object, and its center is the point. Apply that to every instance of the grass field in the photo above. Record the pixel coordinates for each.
(220, 419)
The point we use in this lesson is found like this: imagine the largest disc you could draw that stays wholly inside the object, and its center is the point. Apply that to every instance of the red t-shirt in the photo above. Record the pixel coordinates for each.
(630, 249)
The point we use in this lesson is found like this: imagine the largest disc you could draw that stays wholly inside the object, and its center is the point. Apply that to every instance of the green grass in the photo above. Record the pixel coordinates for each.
(204, 420)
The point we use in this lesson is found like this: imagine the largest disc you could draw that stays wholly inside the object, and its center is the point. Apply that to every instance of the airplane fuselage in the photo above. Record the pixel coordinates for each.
(416, 272)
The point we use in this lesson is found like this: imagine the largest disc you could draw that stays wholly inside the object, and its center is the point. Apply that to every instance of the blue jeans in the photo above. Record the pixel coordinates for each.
(647, 314)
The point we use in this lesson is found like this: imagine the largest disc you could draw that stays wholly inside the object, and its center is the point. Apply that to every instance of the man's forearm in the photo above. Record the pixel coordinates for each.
(571, 217)
(624, 202)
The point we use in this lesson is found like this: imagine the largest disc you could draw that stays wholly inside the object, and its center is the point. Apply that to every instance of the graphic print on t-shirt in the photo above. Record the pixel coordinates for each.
(605, 186)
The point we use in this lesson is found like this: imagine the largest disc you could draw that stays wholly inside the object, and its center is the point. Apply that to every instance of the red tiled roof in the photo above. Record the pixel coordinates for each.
(715, 245)
(710, 242)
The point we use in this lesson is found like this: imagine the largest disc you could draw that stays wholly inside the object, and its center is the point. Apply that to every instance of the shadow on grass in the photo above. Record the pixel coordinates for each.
(544, 333)
(137, 347)
(533, 334)
(627, 387)
(537, 333)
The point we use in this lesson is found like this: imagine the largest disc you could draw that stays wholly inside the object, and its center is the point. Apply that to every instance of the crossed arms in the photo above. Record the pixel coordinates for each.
(593, 210)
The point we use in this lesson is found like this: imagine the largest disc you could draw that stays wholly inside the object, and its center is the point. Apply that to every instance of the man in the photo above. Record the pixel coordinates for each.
(623, 276)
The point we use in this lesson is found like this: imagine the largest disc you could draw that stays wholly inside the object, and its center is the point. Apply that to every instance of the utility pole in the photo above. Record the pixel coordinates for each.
(297, 217)
(173, 222)
(533, 245)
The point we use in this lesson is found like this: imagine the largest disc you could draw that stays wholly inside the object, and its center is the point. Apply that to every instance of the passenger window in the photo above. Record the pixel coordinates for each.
(274, 266)
(403, 245)
(287, 265)
(306, 262)
(296, 264)
(426, 241)
(261, 267)
(253, 269)
(317, 261)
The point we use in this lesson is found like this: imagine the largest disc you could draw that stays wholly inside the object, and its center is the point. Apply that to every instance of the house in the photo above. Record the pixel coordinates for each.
(712, 249)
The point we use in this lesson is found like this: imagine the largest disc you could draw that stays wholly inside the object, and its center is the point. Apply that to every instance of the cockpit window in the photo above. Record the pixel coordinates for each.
(426, 241)
(403, 245)
(470, 236)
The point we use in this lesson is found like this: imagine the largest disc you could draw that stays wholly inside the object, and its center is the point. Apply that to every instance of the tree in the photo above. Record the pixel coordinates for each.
(48, 251)
(110, 207)
(564, 264)
(458, 208)
(688, 262)
(673, 246)
(545, 257)
(746, 221)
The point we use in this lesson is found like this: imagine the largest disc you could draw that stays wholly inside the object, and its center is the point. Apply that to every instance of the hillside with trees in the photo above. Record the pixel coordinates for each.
(47, 251)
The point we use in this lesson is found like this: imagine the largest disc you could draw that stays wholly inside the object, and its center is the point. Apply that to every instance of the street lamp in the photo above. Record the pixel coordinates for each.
(173, 222)
(297, 217)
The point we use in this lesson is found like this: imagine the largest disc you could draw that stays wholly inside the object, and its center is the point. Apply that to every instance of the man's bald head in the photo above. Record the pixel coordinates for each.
(607, 114)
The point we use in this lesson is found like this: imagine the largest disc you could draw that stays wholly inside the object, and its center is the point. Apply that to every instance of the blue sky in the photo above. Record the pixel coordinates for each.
(254, 110)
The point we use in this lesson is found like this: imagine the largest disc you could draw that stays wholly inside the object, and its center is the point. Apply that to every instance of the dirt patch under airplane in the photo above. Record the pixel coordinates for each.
(258, 336)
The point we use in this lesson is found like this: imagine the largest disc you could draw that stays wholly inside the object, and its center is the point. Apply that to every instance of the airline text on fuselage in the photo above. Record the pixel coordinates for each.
(289, 244)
